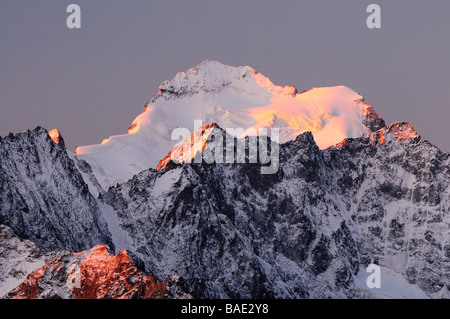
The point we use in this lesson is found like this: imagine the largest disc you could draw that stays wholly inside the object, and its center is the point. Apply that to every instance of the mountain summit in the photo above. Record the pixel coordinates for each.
(213, 76)
(232, 97)
(348, 193)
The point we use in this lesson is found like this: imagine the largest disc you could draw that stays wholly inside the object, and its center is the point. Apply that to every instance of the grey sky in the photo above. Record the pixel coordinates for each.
(91, 83)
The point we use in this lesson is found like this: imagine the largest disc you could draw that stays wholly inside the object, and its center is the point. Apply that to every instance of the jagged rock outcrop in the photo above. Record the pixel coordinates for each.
(370, 119)
(186, 151)
(92, 274)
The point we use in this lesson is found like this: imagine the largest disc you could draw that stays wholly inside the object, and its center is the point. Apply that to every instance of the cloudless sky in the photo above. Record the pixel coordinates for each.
(91, 83)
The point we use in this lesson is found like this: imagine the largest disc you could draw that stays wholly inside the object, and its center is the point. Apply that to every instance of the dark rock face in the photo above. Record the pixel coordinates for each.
(43, 196)
(231, 232)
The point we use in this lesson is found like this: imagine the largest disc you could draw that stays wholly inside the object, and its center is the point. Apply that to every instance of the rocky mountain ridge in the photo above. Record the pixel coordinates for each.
(305, 231)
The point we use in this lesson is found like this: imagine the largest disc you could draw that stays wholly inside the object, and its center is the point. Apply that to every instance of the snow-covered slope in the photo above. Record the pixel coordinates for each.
(232, 97)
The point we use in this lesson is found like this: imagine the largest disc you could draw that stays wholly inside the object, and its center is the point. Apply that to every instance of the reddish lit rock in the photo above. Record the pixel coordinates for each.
(54, 134)
(92, 274)
(400, 131)
(185, 152)
(369, 118)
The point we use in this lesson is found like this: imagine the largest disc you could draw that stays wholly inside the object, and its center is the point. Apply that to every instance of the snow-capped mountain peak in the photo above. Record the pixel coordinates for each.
(213, 76)
(232, 97)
